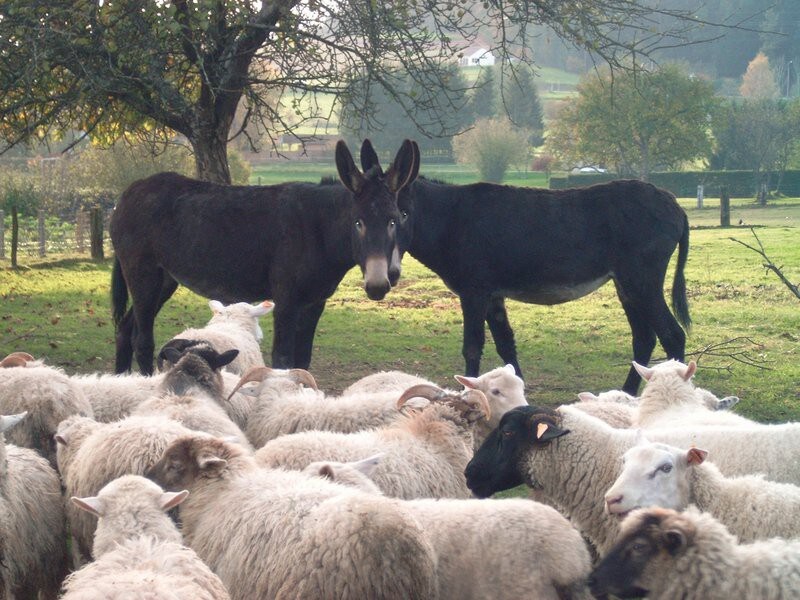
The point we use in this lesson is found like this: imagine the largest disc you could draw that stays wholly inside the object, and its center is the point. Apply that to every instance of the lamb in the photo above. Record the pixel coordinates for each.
(705, 397)
(46, 394)
(33, 542)
(270, 533)
(233, 327)
(368, 403)
(662, 475)
(191, 393)
(669, 398)
(111, 450)
(664, 554)
(424, 453)
(138, 550)
(472, 538)
(571, 459)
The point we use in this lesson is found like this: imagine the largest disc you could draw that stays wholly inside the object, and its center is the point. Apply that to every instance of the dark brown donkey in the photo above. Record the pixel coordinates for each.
(291, 242)
(491, 242)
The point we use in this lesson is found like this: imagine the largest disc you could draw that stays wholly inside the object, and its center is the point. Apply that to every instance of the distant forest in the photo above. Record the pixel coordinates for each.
(748, 25)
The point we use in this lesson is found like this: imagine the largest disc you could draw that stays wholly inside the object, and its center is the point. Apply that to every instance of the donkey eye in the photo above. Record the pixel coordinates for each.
(359, 224)
(509, 433)
(403, 215)
(392, 224)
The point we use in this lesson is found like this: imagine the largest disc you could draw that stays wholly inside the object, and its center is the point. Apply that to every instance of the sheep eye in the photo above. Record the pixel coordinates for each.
(665, 468)
(496, 392)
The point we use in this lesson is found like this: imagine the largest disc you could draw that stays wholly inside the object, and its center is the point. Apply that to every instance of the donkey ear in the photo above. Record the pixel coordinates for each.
(405, 167)
(351, 177)
(369, 158)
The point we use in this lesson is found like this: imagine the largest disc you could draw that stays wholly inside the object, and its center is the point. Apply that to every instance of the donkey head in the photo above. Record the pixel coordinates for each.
(375, 216)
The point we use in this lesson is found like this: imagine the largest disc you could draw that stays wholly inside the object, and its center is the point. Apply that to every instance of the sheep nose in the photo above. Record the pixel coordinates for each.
(614, 500)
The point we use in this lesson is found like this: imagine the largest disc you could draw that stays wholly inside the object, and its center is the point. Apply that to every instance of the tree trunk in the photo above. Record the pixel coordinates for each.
(211, 156)
(14, 236)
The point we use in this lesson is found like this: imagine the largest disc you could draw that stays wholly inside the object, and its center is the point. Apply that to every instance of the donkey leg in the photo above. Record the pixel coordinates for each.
(643, 341)
(473, 309)
(285, 320)
(666, 326)
(147, 299)
(497, 318)
(306, 328)
(124, 343)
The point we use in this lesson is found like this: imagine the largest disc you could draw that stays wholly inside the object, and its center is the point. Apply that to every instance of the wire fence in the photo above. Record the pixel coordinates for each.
(48, 234)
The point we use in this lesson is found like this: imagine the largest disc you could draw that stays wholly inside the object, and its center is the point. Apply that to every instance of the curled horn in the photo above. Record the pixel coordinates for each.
(252, 374)
(422, 390)
(480, 398)
(16, 359)
(304, 377)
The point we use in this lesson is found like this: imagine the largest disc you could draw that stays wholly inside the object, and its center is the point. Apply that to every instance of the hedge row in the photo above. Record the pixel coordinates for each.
(740, 184)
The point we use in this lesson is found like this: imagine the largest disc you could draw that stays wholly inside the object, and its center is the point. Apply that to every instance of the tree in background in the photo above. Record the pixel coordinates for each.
(160, 68)
(635, 121)
(781, 42)
(440, 116)
(492, 145)
(483, 103)
(520, 99)
(756, 135)
(758, 82)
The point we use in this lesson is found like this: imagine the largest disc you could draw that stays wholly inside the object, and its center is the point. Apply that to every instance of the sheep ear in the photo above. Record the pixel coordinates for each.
(326, 472)
(8, 421)
(727, 402)
(367, 466)
(60, 439)
(171, 354)
(216, 306)
(259, 310)
(674, 541)
(645, 372)
(225, 358)
(691, 368)
(468, 382)
(208, 462)
(91, 504)
(586, 396)
(510, 368)
(544, 432)
(696, 456)
(172, 499)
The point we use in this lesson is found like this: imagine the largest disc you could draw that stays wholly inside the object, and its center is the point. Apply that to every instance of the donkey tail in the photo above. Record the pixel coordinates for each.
(119, 293)
(680, 303)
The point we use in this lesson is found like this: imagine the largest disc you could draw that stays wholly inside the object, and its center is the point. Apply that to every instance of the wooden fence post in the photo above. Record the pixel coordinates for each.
(700, 196)
(724, 207)
(2, 234)
(96, 235)
(42, 235)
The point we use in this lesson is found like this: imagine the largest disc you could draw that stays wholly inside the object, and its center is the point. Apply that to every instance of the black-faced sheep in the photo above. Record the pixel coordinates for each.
(666, 555)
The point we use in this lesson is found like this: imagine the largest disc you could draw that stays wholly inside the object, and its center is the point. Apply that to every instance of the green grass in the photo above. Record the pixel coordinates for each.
(59, 310)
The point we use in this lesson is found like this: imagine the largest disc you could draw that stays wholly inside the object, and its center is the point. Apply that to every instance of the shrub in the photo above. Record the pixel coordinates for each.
(492, 146)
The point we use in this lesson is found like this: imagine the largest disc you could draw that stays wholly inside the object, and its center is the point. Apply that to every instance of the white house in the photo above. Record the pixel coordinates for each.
(476, 56)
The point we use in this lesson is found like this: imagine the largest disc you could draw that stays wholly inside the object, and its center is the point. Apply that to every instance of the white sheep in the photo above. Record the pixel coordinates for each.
(511, 548)
(114, 397)
(279, 534)
(669, 398)
(285, 407)
(33, 542)
(424, 453)
(138, 550)
(571, 458)
(48, 396)
(234, 326)
(707, 398)
(665, 555)
(110, 450)
(751, 507)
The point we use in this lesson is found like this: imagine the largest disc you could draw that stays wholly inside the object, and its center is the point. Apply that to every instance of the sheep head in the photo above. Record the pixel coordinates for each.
(191, 458)
(471, 404)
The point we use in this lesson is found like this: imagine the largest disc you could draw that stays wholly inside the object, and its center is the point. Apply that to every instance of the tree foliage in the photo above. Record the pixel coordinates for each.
(483, 103)
(522, 105)
(635, 121)
(158, 68)
(492, 146)
(758, 82)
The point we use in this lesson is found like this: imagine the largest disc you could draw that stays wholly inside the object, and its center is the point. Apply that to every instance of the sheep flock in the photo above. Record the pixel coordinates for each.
(222, 478)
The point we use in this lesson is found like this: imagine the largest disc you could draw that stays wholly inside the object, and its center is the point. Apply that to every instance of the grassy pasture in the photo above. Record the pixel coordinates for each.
(59, 309)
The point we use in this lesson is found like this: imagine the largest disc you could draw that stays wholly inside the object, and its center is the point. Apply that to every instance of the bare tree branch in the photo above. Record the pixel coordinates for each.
(769, 265)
